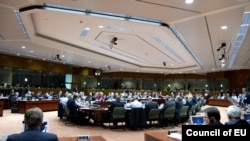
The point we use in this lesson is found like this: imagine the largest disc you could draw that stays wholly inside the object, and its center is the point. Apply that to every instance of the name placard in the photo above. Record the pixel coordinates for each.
(83, 138)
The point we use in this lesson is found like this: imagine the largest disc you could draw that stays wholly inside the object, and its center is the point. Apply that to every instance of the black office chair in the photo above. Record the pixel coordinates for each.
(168, 116)
(118, 115)
(137, 118)
(153, 116)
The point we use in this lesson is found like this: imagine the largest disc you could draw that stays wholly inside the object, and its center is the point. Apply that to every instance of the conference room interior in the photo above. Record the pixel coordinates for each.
(51, 108)
(110, 50)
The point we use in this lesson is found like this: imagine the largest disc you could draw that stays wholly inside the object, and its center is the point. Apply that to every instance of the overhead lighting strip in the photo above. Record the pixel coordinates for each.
(240, 37)
(181, 39)
(162, 43)
(102, 14)
(19, 19)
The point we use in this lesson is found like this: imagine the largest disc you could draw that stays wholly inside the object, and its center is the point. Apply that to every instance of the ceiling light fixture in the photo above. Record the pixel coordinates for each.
(224, 27)
(164, 64)
(222, 57)
(222, 46)
(189, 1)
(56, 57)
(113, 42)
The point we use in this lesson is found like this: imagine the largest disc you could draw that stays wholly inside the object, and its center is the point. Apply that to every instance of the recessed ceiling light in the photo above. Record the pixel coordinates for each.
(224, 27)
(23, 47)
(87, 28)
(189, 1)
(213, 69)
(18, 54)
(100, 26)
(31, 51)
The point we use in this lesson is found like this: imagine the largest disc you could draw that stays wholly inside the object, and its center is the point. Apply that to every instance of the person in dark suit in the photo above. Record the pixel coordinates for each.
(234, 116)
(212, 116)
(178, 106)
(116, 103)
(169, 102)
(72, 106)
(33, 119)
(150, 105)
(246, 99)
(75, 89)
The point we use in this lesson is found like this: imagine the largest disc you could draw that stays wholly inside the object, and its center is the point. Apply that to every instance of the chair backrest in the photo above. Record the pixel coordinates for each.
(184, 112)
(190, 112)
(194, 109)
(137, 117)
(169, 113)
(119, 113)
(66, 110)
(154, 114)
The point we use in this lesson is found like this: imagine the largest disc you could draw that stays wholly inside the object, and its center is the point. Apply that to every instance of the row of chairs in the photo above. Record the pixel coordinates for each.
(136, 117)
(119, 115)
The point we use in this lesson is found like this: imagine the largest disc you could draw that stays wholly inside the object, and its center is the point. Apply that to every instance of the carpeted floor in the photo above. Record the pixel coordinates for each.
(12, 123)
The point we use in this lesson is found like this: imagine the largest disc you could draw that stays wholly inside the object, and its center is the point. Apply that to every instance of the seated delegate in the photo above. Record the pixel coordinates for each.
(33, 119)
(234, 116)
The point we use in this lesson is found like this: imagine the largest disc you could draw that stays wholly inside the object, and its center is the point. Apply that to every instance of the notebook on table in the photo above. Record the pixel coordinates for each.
(197, 120)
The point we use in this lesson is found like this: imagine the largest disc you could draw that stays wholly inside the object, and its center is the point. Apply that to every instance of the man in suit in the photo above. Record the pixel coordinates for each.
(169, 102)
(178, 106)
(246, 99)
(33, 119)
(212, 116)
(234, 116)
(150, 105)
(114, 104)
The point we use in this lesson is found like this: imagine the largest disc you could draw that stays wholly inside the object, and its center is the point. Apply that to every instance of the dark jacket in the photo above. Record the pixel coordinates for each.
(72, 106)
(240, 122)
(216, 123)
(149, 106)
(33, 134)
(115, 104)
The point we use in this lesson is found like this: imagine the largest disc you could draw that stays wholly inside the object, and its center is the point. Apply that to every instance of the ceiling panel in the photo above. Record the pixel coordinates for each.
(187, 43)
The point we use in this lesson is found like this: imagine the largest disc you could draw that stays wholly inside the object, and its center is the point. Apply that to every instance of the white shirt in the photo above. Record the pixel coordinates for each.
(136, 104)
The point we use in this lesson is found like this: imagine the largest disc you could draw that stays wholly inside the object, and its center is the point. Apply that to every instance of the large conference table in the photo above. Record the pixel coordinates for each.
(6, 102)
(45, 105)
(1, 108)
(219, 102)
(157, 136)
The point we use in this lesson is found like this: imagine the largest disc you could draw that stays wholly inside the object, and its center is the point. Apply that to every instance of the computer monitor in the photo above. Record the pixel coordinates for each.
(197, 120)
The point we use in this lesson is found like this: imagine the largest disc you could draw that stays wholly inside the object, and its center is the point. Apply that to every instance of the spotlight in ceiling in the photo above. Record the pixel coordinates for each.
(113, 42)
(164, 64)
(222, 57)
(57, 57)
(222, 46)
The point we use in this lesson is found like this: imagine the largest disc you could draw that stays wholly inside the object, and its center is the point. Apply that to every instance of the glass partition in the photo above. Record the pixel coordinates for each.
(12, 77)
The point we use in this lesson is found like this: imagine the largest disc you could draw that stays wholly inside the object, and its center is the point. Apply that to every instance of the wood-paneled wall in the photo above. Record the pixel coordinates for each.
(237, 78)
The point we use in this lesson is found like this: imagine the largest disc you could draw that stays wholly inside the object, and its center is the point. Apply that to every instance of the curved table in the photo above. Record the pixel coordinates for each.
(219, 102)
